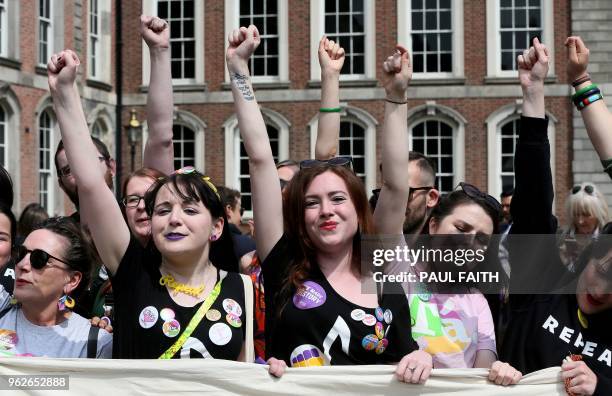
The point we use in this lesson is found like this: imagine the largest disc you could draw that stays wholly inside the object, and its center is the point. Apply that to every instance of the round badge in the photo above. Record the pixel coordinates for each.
(148, 316)
(307, 355)
(233, 320)
(8, 339)
(388, 316)
(424, 296)
(369, 342)
(381, 346)
(310, 295)
(369, 320)
(378, 312)
(231, 306)
(379, 329)
(166, 314)
(358, 314)
(220, 334)
(213, 315)
(171, 328)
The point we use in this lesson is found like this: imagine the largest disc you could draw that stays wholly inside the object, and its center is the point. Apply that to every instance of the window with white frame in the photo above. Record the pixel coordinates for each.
(263, 14)
(511, 26)
(180, 14)
(184, 140)
(508, 136)
(244, 179)
(345, 24)
(435, 139)
(352, 143)
(3, 28)
(94, 38)
(45, 146)
(432, 36)
(97, 130)
(520, 20)
(3, 138)
(45, 31)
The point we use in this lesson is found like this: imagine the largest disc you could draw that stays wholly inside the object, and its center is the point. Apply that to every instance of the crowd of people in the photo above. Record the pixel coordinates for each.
(170, 271)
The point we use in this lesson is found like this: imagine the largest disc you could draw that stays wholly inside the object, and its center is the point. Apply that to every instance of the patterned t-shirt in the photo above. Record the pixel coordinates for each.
(317, 326)
(148, 321)
(452, 327)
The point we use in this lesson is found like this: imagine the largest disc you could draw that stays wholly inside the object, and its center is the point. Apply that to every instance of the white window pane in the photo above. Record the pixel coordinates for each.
(432, 43)
(435, 139)
(344, 23)
(180, 16)
(508, 137)
(519, 23)
(184, 146)
(263, 14)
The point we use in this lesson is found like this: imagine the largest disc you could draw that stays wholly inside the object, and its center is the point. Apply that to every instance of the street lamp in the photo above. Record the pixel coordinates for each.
(133, 129)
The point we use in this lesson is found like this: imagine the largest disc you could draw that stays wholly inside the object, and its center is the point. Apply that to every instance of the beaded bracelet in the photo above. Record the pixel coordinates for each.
(587, 101)
(330, 110)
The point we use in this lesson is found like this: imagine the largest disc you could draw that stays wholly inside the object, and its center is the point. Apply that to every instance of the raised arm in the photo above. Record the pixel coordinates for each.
(391, 207)
(265, 186)
(96, 201)
(331, 59)
(159, 151)
(596, 116)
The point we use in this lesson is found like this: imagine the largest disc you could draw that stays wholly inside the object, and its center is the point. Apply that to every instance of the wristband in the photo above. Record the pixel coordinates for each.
(396, 102)
(583, 90)
(586, 95)
(581, 80)
(330, 110)
(107, 319)
(587, 101)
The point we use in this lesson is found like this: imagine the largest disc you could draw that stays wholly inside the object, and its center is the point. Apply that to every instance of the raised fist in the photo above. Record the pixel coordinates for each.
(397, 72)
(155, 32)
(62, 70)
(331, 56)
(242, 44)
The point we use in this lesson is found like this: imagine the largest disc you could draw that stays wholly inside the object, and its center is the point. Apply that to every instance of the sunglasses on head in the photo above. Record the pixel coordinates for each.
(38, 257)
(589, 189)
(474, 193)
(336, 161)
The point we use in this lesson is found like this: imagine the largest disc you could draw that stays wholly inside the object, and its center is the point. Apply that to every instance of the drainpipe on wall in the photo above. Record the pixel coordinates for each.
(119, 91)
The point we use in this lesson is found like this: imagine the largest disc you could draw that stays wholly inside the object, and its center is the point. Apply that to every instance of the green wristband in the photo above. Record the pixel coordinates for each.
(583, 90)
(330, 110)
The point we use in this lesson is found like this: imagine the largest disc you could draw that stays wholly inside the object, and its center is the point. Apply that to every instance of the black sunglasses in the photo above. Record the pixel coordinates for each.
(474, 193)
(38, 257)
(336, 161)
(587, 189)
(376, 191)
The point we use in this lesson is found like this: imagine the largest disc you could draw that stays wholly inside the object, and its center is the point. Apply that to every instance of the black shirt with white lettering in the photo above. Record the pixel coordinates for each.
(149, 321)
(545, 328)
(318, 327)
(7, 276)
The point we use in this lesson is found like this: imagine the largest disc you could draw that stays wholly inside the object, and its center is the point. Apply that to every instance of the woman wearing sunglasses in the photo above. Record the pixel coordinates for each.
(571, 312)
(316, 313)
(52, 269)
(587, 214)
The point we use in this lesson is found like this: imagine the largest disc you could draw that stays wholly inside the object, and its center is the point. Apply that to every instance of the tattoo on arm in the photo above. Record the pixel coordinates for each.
(242, 83)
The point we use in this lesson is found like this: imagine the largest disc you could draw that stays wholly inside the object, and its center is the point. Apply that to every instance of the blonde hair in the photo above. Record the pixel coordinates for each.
(592, 204)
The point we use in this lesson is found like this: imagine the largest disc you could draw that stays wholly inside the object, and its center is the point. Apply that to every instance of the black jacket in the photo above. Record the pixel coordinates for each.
(544, 328)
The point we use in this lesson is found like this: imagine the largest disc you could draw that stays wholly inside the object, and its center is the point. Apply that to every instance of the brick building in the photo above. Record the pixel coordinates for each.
(464, 97)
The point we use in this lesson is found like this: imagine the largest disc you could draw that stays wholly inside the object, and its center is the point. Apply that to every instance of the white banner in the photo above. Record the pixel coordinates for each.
(198, 376)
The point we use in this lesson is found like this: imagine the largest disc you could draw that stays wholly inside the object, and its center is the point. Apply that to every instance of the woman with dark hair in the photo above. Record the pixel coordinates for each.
(310, 245)
(53, 267)
(133, 191)
(571, 314)
(31, 216)
(180, 283)
(8, 231)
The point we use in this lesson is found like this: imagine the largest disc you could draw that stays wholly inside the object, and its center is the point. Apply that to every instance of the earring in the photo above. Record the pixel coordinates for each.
(65, 302)
(213, 238)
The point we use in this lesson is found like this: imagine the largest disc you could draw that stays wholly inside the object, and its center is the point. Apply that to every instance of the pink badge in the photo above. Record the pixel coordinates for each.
(310, 295)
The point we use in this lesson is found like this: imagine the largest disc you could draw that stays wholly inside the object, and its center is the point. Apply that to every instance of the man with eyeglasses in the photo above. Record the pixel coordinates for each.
(67, 181)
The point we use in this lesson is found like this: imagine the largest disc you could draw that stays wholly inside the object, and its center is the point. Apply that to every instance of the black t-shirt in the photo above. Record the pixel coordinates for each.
(149, 321)
(317, 326)
(7, 276)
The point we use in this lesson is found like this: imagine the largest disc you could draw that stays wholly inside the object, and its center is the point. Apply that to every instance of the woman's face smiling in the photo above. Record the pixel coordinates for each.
(329, 215)
(594, 290)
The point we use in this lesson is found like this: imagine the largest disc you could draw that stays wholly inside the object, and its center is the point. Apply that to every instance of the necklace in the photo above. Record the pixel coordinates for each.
(177, 287)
